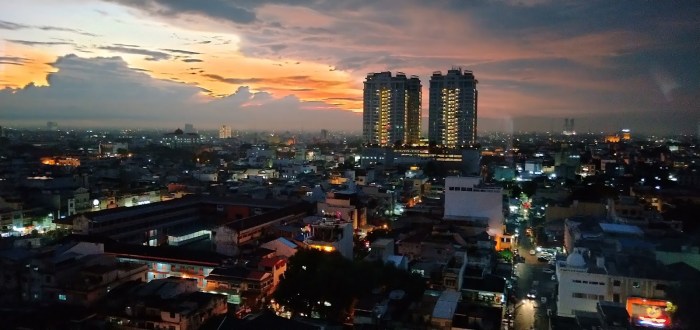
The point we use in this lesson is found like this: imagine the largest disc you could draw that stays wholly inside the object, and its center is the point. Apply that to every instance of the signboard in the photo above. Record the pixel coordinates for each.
(650, 313)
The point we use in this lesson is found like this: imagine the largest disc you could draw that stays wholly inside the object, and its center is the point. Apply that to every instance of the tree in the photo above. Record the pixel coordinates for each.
(328, 284)
(516, 191)
(685, 303)
(506, 255)
(529, 188)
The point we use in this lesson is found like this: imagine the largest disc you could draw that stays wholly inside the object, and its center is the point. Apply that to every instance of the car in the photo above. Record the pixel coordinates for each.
(548, 270)
(533, 252)
(532, 294)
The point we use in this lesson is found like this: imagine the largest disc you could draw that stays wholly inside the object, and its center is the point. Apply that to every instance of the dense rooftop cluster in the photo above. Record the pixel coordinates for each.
(187, 230)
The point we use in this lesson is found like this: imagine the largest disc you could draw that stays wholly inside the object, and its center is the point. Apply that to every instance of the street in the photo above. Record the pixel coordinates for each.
(532, 313)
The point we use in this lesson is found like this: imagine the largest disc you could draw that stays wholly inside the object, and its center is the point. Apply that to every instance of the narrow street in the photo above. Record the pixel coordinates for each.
(532, 313)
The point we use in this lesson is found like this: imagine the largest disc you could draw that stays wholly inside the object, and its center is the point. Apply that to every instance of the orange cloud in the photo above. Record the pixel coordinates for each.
(33, 69)
(222, 74)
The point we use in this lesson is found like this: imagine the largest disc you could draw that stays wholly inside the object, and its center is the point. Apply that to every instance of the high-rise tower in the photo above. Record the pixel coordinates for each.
(224, 132)
(452, 108)
(391, 109)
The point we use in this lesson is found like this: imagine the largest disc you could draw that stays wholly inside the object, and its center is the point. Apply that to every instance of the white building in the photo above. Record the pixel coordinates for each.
(340, 205)
(331, 235)
(467, 198)
(586, 278)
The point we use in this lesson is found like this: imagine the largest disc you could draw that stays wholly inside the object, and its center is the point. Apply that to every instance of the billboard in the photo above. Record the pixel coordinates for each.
(650, 313)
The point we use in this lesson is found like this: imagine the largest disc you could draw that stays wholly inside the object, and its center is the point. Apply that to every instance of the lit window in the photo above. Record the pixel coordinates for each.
(62, 297)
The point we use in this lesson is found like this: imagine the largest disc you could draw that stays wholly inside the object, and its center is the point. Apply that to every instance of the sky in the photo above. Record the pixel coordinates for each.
(300, 64)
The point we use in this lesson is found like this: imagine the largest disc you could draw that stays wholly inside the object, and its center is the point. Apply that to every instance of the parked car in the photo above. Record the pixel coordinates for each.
(548, 270)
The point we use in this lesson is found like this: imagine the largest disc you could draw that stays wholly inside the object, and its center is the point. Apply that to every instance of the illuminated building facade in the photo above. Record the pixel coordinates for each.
(391, 109)
(331, 235)
(224, 132)
(474, 204)
(587, 278)
(452, 108)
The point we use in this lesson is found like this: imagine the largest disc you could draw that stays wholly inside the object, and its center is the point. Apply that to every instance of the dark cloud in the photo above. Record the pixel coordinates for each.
(55, 28)
(276, 48)
(5, 25)
(192, 60)
(234, 81)
(13, 60)
(220, 9)
(180, 51)
(127, 45)
(39, 43)
(152, 54)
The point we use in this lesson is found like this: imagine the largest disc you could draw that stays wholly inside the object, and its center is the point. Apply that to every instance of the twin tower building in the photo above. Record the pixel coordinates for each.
(392, 109)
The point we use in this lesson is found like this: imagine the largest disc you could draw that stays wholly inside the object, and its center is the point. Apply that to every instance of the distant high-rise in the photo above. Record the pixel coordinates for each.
(452, 108)
(189, 128)
(391, 109)
(224, 132)
(569, 126)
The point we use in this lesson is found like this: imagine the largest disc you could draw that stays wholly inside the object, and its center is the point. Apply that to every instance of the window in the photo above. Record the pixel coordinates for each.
(62, 297)
(636, 285)
(616, 297)
(616, 283)
(661, 287)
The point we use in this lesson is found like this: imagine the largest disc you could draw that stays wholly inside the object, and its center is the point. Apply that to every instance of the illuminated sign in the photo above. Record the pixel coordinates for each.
(651, 313)
(325, 248)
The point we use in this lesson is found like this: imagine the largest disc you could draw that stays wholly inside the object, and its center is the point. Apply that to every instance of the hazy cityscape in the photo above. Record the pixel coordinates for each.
(479, 165)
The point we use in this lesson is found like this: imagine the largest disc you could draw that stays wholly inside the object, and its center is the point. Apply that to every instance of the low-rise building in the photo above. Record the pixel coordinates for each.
(75, 273)
(331, 235)
(172, 303)
(586, 278)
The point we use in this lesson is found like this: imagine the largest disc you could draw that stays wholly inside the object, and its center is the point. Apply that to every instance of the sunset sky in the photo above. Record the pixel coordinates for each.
(288, 65)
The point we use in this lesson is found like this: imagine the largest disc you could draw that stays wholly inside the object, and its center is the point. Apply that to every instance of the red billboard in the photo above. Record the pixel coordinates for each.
(651, 313)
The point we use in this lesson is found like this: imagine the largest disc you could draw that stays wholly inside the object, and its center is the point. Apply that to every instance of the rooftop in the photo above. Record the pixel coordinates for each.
(614, 228)
(446, 305)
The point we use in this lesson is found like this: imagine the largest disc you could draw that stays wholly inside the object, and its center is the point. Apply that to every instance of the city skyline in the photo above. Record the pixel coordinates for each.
(300, 65)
